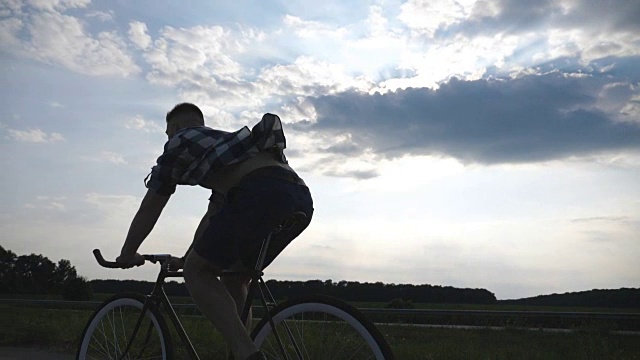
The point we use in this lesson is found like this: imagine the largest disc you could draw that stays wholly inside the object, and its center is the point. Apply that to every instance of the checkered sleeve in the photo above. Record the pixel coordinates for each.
(161, 177)
(268, 133)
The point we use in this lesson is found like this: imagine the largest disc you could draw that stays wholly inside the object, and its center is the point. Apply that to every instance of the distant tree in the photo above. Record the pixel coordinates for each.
(36, 274)
(7, 270)
(77, 288)
(63, 272)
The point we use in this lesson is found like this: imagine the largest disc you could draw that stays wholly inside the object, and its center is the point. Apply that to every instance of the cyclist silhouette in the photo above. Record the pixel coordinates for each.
(253, 189)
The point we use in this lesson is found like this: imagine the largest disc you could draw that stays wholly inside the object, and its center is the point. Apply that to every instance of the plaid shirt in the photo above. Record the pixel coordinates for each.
(192, 153)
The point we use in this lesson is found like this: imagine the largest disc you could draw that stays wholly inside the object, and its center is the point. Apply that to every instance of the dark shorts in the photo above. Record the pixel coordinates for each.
(251, 211)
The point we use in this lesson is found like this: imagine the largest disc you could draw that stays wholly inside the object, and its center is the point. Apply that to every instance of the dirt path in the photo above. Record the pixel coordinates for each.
(7, 353)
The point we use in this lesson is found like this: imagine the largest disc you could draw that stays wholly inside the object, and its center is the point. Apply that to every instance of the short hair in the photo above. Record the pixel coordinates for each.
(184, 108)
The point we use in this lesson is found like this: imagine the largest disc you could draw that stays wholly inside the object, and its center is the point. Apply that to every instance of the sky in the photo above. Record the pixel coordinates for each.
(474, 143)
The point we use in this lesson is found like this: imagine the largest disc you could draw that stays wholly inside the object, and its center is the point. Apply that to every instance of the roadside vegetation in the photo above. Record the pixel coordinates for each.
(60, 329)
(412, 334)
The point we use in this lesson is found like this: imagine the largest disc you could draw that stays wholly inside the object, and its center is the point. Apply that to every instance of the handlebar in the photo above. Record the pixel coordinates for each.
(162, 258)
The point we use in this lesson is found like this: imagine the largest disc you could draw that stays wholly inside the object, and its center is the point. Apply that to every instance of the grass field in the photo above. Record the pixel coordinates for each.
(59, 329)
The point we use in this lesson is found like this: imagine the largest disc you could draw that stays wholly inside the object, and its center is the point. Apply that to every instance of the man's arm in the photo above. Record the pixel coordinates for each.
(142, 224)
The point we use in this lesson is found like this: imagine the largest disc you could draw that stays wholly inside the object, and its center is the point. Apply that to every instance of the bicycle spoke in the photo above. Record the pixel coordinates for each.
(124, 331)
(104, 350)
(302, 336)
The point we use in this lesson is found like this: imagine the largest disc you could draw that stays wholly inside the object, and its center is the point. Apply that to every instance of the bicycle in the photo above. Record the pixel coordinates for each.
(131, 325)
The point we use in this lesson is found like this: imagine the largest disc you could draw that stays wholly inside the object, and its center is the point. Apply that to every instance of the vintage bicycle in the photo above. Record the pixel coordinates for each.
(132, 326)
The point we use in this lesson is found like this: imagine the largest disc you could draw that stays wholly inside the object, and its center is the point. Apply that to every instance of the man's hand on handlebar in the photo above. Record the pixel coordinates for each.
(128, 261)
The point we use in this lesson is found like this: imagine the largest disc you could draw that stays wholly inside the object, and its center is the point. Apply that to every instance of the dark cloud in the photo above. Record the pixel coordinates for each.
(516, 16)
(513, 17)
(345, 148)
(527, 119)
(611, 15)
(357, 174)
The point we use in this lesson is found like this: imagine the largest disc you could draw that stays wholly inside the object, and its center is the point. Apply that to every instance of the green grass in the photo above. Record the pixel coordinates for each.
(59, 329)
(409, 343)
(50, 328)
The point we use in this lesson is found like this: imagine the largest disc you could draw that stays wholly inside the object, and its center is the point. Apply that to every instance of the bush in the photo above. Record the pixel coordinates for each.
(400, 304)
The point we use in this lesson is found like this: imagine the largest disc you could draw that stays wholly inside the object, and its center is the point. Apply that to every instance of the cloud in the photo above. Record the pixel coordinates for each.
(53, 37)
(35, 136)
(201, 57)
(59, 5)
(612, 16)
(112, 157)
(583, 28)
(139, 123)
(512, 120)
(312, 29)
(113, 207)
(56, 203)
(356, 174)
(9, 29)
(516, 17)
(138, 34)
(475, 35)
(106, 156)
(207, 63)
(426, 17)
(62, 39)
(602, 219)
(102, 15)
(307, 76)
(10, 7)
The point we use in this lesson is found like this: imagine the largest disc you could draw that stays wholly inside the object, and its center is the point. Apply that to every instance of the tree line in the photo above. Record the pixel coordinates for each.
(624, 298)
(381, 292)
(403, 295)
(36, 274)
(346, 290)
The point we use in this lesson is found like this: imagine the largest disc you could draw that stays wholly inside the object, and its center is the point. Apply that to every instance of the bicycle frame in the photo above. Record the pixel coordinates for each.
(158, 297)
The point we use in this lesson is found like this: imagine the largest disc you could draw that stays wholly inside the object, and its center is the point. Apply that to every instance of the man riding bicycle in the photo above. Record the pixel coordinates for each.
(253, 190)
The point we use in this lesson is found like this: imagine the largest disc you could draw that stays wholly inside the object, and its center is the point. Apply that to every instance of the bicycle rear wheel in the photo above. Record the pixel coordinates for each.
(109, 331)
(319, 327)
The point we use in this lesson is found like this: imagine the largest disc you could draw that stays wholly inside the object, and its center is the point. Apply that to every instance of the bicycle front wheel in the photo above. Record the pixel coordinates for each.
(319, 327)
(109, 332)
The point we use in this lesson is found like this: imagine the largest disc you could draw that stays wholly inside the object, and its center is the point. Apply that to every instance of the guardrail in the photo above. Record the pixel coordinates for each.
(387, 311)
(619, 322)
(507, 313)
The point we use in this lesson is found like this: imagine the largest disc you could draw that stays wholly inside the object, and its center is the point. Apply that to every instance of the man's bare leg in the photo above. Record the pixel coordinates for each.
(213, 299)
(238, 287)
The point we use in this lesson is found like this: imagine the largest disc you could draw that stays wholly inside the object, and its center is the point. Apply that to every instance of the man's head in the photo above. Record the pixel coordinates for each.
(182, 116)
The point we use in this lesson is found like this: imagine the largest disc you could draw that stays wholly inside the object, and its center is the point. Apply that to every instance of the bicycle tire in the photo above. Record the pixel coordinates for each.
(107, 332)
(323, 328)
